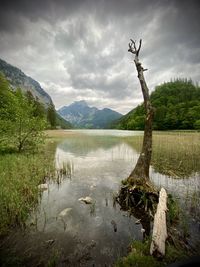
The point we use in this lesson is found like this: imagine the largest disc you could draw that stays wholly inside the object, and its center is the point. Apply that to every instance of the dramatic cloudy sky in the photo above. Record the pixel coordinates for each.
(78, 49)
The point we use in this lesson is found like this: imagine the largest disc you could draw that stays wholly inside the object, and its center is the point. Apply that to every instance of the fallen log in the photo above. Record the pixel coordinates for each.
(159, 235)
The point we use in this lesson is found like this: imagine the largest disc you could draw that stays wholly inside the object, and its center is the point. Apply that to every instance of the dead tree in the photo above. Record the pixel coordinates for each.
(137, 194)
(141, 170)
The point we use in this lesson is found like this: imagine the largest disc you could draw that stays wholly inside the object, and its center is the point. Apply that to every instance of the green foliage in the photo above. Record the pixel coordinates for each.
(173, 210)
(197, 124)
(139, 256)
(19, 179)
(51, 116)
(21, 119)
(177, 106)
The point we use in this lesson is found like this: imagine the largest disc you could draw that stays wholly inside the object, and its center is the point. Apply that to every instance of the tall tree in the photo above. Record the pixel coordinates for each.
(51, 116)
(141, 169)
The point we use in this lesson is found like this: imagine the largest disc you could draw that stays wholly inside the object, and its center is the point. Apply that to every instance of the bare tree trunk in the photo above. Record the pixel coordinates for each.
(141, 169)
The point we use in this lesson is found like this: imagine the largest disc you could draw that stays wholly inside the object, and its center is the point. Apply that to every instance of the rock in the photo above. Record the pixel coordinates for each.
(114, 225)
(65, 212)
(86, 200)
(43, 187)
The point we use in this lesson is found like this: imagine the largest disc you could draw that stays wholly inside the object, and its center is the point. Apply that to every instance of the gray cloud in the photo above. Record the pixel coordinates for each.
(78, 49)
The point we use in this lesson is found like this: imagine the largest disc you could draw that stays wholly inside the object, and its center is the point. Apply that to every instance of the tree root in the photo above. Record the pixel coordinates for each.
(140, 198)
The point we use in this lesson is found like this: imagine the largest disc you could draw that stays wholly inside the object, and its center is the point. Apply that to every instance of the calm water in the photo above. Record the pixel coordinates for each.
(99, 233)
(99, 160)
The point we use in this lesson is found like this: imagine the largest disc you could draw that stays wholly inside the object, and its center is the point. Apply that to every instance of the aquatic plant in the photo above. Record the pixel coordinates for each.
(20, 176)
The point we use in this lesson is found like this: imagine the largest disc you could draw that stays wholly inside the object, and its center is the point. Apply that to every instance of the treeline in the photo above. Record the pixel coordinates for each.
(177, 106)
(22, 118)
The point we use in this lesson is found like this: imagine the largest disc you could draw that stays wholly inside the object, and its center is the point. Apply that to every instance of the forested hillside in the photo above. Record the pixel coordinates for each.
(177, 106)
(22, 118)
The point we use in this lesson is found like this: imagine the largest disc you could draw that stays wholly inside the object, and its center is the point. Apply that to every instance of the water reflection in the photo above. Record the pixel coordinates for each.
(99, 164)
(100, 161)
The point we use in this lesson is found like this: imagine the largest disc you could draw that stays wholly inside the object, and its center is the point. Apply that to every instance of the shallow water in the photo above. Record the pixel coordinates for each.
(98, 162)
(99, 233)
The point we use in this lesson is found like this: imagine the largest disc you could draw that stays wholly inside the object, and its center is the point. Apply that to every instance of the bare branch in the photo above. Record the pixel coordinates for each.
(132, 47)
(139, 47)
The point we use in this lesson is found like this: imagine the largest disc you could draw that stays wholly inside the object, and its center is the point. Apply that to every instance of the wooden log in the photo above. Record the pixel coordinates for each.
(159, 236)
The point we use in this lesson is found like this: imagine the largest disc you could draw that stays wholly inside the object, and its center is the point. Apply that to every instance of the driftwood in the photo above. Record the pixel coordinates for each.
(159, 236)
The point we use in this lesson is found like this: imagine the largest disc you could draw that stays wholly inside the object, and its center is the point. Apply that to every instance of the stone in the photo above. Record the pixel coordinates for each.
(65, 212)
(86, 200)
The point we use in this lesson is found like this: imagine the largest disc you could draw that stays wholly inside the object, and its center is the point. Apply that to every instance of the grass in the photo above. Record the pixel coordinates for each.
(139, 255)
(176, 154)
(20, 175)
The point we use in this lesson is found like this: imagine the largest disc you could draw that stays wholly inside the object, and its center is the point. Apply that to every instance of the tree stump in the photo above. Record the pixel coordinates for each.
(159, 236)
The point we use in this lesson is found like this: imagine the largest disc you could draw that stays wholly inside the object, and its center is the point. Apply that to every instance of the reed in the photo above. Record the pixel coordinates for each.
(20, 175)
(176, 154)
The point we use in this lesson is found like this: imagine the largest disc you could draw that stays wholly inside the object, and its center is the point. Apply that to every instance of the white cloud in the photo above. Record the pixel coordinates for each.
(79, 50)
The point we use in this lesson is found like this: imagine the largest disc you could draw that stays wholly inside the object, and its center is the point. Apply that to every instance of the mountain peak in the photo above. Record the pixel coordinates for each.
(83, 116)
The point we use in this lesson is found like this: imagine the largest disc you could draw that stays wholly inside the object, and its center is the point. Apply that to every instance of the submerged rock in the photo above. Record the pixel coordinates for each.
(114, 224)
(43, 187)
(65, 212)
(86, 200)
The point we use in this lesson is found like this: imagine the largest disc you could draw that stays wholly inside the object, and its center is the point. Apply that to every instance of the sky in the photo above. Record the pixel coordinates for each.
(78, 50)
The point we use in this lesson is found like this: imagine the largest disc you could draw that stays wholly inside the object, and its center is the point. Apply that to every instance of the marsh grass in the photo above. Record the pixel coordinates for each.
(139, 255)
(176, 154)
(20, 175)
(92, 208)
(65, 170)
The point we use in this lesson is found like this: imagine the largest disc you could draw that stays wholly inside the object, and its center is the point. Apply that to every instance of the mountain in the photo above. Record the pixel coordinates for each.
(177, 106)
(18, 79)
(80, 115)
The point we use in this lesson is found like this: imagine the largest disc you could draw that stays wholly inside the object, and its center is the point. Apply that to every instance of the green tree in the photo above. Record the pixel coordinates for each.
(20, 128)
(51, 116)
(39, 109)
(28, 127)
(176, 103)
(197, 125)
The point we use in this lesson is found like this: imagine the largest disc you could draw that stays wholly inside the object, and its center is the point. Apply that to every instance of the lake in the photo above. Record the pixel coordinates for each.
(96, 234)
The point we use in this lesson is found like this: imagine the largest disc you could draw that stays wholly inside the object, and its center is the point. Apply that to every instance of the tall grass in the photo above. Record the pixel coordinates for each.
(176, 154)
(20, 175)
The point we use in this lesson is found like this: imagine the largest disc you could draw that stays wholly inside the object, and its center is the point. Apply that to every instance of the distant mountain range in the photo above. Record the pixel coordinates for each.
(80, 115)
(18, 79)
